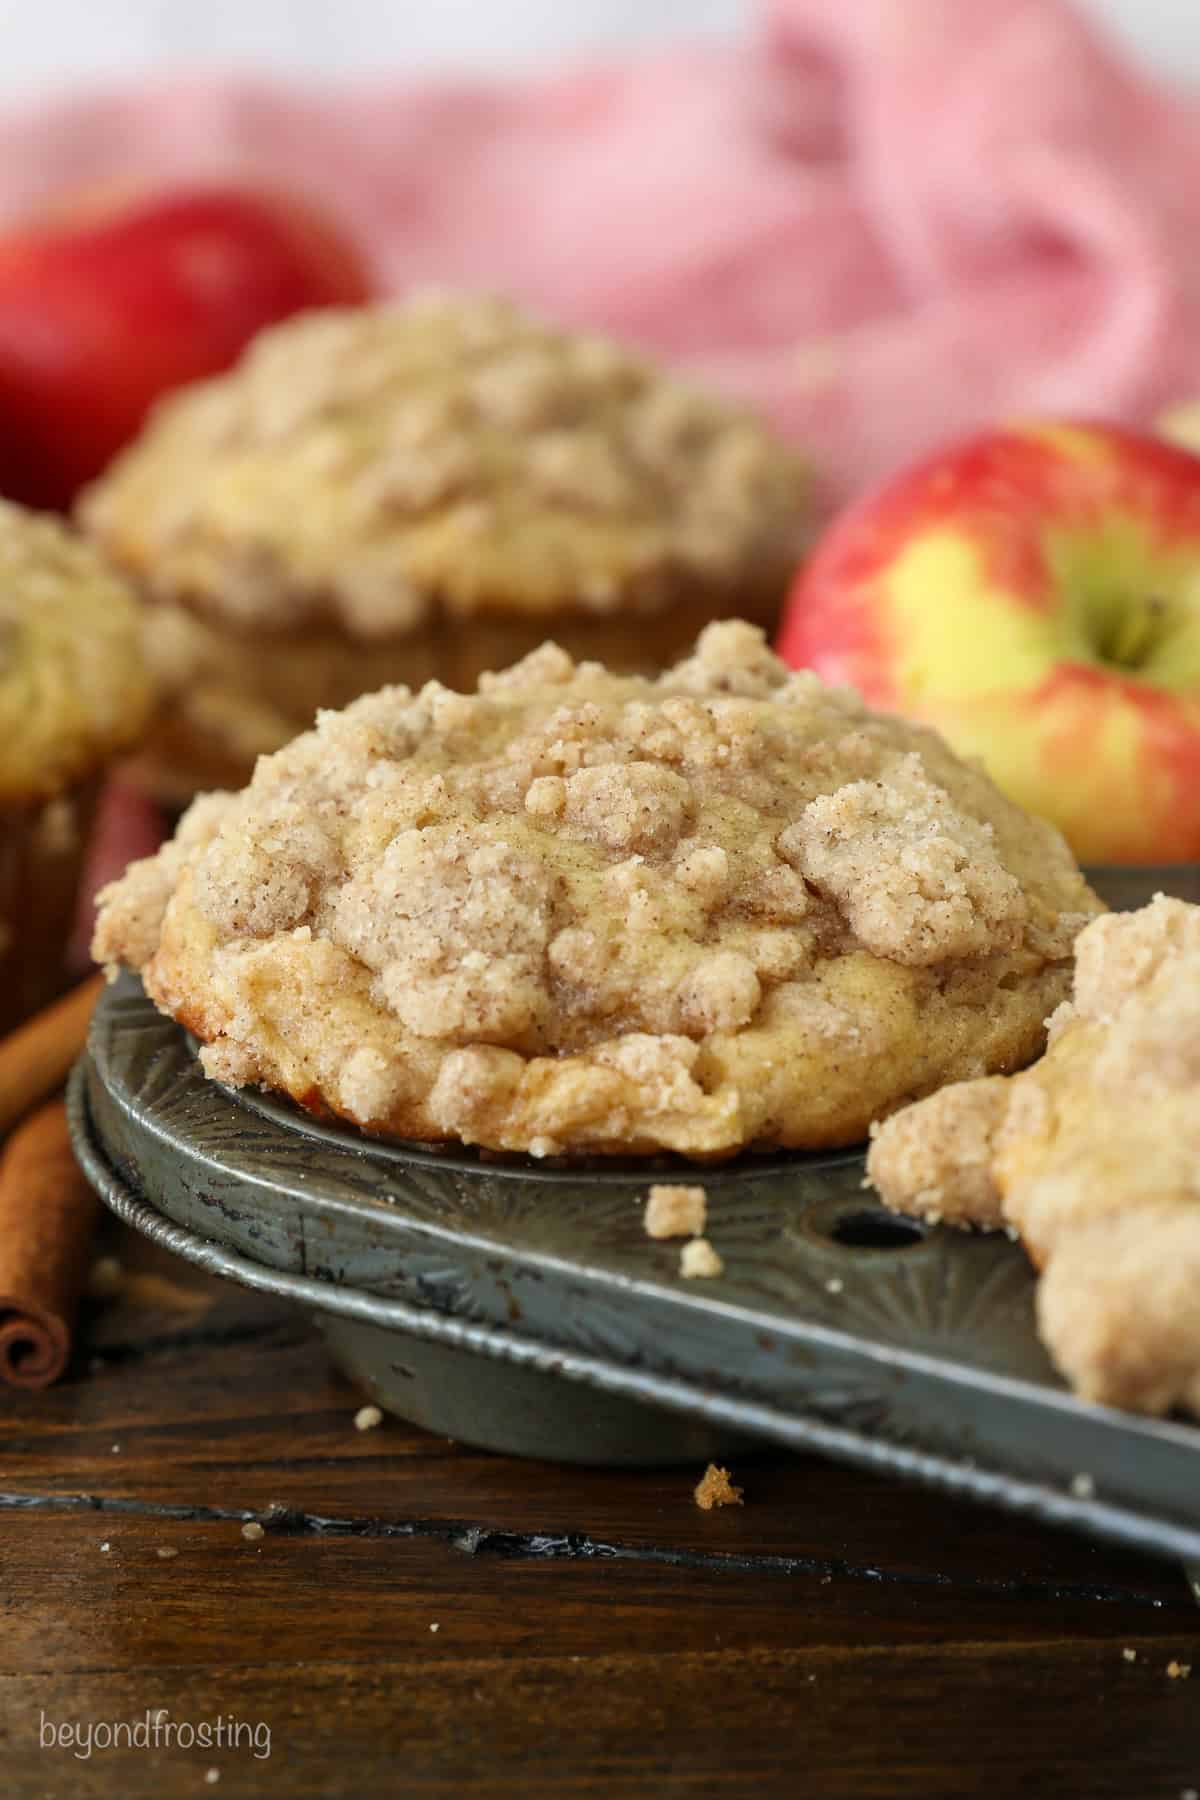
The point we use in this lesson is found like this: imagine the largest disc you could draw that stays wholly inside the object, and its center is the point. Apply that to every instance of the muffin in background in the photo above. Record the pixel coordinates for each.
(74, 693)
(428, 491)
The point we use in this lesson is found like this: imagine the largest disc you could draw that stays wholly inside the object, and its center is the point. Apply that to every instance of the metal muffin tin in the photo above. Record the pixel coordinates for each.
(1125, 887)
(519, 1305)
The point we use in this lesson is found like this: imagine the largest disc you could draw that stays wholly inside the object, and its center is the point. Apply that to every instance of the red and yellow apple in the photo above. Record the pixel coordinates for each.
(112, 300)
(1034, 595)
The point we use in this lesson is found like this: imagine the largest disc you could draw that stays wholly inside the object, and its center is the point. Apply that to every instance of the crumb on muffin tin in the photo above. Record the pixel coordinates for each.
(673, 1210)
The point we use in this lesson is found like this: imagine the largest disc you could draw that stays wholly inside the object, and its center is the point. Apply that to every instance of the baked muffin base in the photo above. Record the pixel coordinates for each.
(741, 1096)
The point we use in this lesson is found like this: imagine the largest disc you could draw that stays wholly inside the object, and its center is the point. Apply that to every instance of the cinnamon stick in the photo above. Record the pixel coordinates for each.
(36, 1058)
(47, 1218)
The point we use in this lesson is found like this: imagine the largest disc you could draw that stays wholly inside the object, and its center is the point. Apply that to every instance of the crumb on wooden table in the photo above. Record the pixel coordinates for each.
(253, 1532)
(714, 1488)
(699, 1259)
(367, 1418)
(165, 1552)
(1129, 1654)
(1179, 1671)
(105, 1278)
(675, 1211)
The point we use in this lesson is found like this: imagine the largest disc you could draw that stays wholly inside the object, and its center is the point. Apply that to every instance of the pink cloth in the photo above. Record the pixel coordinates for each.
(882, 221)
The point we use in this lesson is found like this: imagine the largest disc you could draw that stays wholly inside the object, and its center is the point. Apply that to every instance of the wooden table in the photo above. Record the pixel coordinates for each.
(421, 1618)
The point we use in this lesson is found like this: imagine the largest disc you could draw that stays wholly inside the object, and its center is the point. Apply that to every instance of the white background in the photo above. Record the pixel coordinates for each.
(46, 43)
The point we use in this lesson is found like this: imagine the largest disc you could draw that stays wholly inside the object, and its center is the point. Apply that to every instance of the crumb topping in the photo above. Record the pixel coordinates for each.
(920, 880)
(369, 466)
(575, 911)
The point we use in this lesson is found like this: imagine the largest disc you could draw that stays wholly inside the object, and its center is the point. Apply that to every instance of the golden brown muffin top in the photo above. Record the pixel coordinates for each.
(368, 467)
(73, 686)
(577, 911)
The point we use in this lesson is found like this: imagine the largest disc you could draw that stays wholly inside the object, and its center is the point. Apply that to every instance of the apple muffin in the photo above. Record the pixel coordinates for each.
(578, 912)
(1092, 1156)
(74, 693)
(427, 491)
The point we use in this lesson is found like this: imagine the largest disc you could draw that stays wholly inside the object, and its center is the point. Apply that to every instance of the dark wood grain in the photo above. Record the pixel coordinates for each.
(837, 1635)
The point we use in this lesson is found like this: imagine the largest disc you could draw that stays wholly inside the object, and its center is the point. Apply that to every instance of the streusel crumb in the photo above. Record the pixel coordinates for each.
(714, 1488)
(574, 912)
(698, 1261)
(673, 1211)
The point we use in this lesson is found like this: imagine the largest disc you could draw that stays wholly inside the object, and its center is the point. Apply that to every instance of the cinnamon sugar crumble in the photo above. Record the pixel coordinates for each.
(576, 912)
(714, 1488)
(674, 1211)
(956, 899)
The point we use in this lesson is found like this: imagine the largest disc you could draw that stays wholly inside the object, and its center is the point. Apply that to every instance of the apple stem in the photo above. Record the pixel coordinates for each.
(1135, 633)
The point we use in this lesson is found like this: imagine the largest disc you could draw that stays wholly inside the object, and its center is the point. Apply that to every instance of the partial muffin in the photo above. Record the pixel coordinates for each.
(579, 912)
(426, 491)
(74, 692)
(1093, 1157)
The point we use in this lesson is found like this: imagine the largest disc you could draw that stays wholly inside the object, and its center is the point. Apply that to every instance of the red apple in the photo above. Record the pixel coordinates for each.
(1033, 594)
(104, 309)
